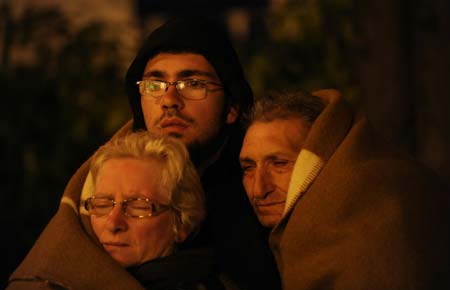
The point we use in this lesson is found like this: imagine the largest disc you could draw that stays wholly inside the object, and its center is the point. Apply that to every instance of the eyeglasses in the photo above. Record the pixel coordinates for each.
(192, 89)
(133, 207)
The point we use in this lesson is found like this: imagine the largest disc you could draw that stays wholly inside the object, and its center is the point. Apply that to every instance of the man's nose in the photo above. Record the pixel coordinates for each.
(116, 220)
(263, 184)
(172, 99)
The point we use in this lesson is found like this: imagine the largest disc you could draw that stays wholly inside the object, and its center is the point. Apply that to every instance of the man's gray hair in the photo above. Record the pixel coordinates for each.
(284, 105)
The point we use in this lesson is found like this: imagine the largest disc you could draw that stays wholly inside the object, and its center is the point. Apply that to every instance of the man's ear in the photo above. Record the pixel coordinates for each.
(233, 113)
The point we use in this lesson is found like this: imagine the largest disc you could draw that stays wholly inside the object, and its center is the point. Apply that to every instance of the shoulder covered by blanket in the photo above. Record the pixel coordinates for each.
(66, 255)
(360, 214)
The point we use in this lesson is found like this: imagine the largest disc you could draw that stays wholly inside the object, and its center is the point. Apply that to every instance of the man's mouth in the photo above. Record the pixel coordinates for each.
(111, 247)
(269, 207)
(172, 122)
(114, 244)
(173, 126)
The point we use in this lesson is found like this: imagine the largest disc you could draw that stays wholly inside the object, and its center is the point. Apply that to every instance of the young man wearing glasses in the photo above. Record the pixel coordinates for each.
(182, 96)
(186, 81)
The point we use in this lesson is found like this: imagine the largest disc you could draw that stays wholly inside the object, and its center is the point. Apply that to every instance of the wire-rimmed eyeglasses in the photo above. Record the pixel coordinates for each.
(133, 207)
(192, 89)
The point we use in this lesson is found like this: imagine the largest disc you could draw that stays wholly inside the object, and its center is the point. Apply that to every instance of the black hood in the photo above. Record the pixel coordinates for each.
(197, 35)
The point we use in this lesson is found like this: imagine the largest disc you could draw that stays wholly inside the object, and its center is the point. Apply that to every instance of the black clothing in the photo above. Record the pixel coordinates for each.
(231, 229)
(240, 242)
(184, 270)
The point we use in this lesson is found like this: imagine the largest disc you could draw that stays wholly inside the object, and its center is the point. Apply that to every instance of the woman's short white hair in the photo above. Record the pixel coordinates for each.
(179, 178)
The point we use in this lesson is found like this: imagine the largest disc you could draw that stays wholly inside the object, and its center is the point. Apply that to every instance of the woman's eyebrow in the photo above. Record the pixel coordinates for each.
(103, 194)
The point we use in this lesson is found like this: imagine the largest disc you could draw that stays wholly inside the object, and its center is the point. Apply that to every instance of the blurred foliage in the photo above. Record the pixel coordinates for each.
(62, 94)
(308, 44)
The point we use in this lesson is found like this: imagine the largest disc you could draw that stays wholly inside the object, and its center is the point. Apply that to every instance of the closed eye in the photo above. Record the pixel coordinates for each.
(247, 167)
(281, 165)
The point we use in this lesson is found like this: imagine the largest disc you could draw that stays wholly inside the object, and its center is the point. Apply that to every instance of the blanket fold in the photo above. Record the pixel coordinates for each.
(66, 255)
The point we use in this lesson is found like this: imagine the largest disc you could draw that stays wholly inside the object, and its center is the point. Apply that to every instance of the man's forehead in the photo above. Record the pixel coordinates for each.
(185, 73)
(183, 64)
(274, 130)
(274, 137)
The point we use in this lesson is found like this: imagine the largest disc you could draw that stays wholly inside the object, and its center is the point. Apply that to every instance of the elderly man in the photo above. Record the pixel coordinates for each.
(348, 210)
(187, 82)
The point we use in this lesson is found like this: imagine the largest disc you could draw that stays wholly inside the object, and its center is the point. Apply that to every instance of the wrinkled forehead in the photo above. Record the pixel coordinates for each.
(264, 137)
(128, 177)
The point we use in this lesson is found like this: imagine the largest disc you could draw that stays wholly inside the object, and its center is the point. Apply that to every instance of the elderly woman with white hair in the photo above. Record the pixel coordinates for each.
(141, 204)
(147, 199)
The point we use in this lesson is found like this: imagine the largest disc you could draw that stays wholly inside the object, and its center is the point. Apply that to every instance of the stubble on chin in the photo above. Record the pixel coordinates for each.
(176, 135)
(195, 147)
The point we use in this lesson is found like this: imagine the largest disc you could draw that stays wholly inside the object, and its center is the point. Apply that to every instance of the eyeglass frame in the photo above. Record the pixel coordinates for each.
(155, 207)
(176, 84)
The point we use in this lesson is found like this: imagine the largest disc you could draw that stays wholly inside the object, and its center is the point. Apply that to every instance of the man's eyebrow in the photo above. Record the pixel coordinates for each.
(246, 160)
(193, 72)
(181, 74)
(274, 156)
(154, 73)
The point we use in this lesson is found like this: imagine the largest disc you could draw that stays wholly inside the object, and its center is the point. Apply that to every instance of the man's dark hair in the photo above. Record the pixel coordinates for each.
(284, 105)
(199, 35)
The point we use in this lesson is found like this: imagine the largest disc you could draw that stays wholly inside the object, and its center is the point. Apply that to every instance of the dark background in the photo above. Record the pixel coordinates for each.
(62, 69)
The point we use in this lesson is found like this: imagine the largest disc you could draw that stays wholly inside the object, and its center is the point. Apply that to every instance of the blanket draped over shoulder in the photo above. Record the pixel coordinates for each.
(66, 255)
(360, 214)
